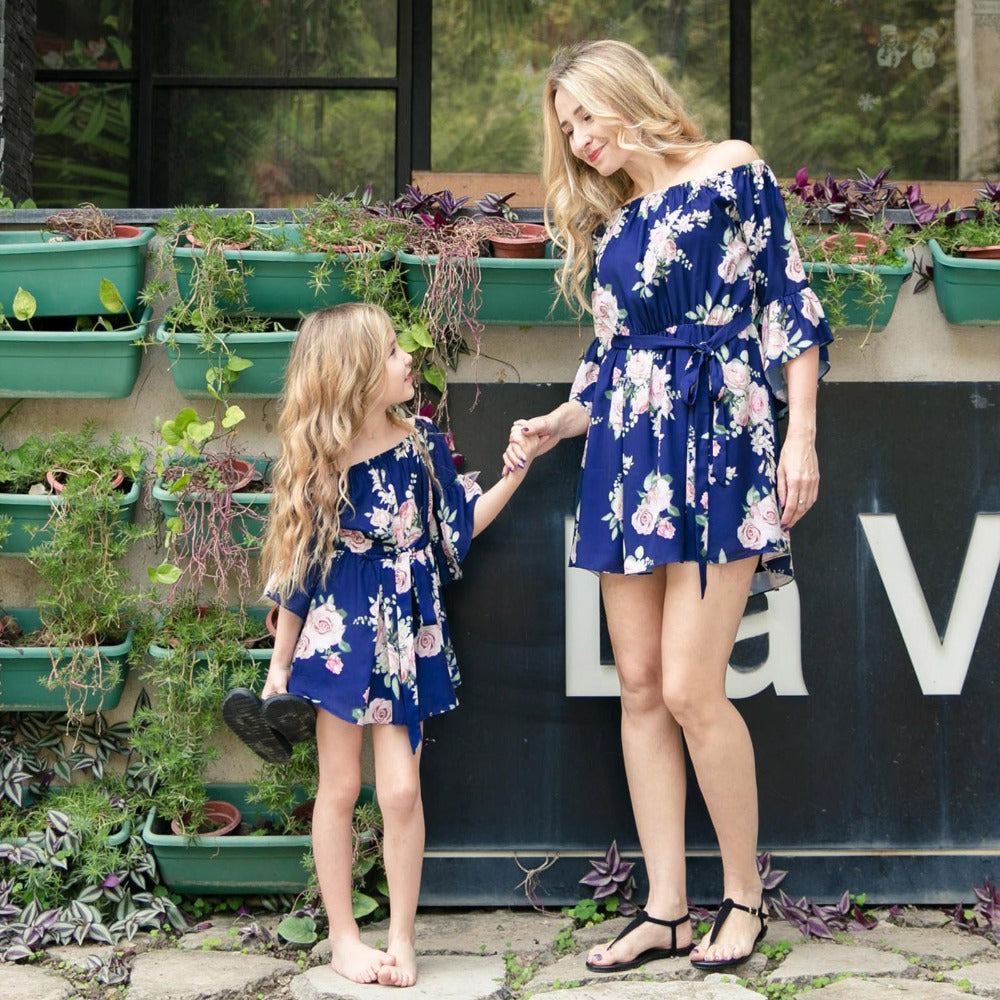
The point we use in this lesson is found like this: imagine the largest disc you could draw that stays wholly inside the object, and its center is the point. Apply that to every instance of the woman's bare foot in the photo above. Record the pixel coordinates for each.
(643, 938)
(404, 971)
(354, 960)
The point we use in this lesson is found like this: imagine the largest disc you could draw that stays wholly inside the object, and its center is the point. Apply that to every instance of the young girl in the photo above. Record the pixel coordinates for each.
(367, 522)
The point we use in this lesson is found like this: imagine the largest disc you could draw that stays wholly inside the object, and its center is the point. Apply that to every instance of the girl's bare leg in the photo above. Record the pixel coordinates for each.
(654, 758)
(698, 636)
(339, 747)
(397, 781)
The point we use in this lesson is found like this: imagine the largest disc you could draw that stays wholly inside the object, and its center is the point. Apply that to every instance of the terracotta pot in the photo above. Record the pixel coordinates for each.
(530, 244)
(127, 232)
(862, 242)
(304, 812)
(271, 621)
(220, 818)
(56, 479)
(980, 253)
(237, 472)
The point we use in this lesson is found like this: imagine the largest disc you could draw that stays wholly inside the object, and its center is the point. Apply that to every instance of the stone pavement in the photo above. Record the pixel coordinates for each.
(515, 954)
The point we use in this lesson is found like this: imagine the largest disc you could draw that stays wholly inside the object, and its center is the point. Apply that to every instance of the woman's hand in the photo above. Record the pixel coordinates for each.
(565, 421)
(798, 476)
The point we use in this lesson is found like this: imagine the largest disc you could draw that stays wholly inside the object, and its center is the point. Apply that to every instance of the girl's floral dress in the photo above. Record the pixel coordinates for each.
(699, 299)
(374, 645)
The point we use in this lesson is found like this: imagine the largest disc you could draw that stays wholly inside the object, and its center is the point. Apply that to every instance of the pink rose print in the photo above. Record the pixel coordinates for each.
(741, 410)
(639, 366)
(406, 524)
(356, 541)
(660, 495)
(334, 663)
(749, 534)
(605, 307)
(704, 500)
(304, 647)
(380, 517)
(617, 502)
(640, 401)
(324, 627)
(760, 404)
(736, 375)
(718, 316)
(428, 641)
(657, 386)
(689, 493)
(666, 529)
(774, 336)
(616, 416)
(794, 270)
(735, 263)
(402, 576)
(378, 712)
(644, 520)
(812, 308)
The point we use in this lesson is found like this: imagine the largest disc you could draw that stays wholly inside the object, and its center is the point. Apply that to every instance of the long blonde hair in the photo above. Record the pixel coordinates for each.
(618, 86)
(335, 373)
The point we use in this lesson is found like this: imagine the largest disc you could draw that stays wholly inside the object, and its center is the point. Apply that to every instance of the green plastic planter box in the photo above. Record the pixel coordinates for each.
(72, 363)
(33, 512)
(268, 352)
(857, 315)
(23, 668)
(277, 281)
(968, 291)
(234, 864)
(244, 529)
(65, 277)
(262, 657)
(514, 292)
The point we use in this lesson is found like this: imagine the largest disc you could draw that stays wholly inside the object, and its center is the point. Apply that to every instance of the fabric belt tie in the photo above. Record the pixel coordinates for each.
(701, 384)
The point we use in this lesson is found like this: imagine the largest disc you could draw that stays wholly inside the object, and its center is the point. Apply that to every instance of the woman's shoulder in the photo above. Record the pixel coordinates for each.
(727, 155)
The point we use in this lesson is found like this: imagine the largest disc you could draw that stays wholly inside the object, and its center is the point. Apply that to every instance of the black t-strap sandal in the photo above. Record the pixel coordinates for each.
(725, 909)
(650, 954)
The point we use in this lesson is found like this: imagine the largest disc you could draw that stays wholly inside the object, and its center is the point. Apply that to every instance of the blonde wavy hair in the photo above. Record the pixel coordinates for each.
(335, 374)
(618, 86)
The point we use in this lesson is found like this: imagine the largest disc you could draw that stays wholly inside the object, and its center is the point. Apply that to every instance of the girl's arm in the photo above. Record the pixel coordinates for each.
(568, 420)
(496, 497)
(287, 635)
(798, 464)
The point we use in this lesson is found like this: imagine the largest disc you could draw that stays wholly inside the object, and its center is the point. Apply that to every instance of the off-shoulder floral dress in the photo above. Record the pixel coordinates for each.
(375, 645)
(699, 299)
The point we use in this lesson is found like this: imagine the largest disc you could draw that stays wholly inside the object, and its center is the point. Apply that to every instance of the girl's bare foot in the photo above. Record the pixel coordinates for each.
(404, 971)
(356, 961)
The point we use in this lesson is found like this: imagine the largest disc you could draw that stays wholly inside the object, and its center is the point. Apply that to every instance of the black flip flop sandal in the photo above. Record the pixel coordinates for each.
(242, 712)
(650, 954)
(725, 909)
(292, 717)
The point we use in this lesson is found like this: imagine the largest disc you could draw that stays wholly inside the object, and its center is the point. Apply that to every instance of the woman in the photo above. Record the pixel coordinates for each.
(705, 327)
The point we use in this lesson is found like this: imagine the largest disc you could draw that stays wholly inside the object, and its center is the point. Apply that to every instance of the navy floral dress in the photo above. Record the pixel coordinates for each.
(375, 645)
(699, 299)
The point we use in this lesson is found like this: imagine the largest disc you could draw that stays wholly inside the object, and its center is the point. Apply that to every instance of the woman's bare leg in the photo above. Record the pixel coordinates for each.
(339, 748)
(397, 781)
(698, 637)
(654, 758)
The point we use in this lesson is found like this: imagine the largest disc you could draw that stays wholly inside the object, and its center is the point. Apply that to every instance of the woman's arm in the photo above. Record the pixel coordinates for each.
(568, 420)
(798, 464)
(287, 635)
(496, 497)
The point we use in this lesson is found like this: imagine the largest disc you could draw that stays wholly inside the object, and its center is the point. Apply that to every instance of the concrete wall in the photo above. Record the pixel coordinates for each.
(17, 89)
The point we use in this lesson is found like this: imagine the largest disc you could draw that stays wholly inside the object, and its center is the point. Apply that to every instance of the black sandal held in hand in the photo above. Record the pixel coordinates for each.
(293, 717)
(650, 954)
(725, 909)
(242, 712)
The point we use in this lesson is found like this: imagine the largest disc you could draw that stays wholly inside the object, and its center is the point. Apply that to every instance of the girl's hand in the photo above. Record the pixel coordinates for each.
(277, 681)
(798, 477)
(529, 438)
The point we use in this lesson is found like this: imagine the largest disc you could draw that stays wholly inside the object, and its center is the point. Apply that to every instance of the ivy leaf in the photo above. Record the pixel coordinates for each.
(166, 573)
(237, 364)
(298, 930)
(110, 297)
(24, 305)
(234, 415)
(436, 376)
(362, 905)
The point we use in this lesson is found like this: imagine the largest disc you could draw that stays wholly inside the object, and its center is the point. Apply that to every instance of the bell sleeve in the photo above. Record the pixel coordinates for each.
(452, 504)
(787, 311)
(582, 391)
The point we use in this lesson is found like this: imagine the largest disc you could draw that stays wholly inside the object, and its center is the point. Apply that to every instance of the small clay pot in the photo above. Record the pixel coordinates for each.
(271, 621)
(220, 818)
(56, 479)
(127, 232)
(862, 243)
(237, 472)
(980, 253)
(529, 245)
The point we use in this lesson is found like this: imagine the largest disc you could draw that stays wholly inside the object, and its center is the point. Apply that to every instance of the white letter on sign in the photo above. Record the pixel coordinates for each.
(940, 666)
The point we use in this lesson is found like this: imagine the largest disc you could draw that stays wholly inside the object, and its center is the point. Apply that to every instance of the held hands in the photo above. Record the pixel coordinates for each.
(528, 438)
(798, 476)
